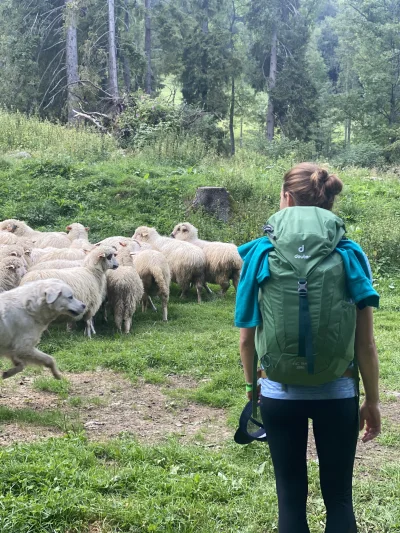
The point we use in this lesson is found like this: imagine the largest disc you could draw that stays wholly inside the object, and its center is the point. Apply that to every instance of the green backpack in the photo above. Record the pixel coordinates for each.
(309, 319)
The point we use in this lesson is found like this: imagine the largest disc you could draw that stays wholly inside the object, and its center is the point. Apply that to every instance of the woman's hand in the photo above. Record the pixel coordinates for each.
(370, 417)
(249, 394)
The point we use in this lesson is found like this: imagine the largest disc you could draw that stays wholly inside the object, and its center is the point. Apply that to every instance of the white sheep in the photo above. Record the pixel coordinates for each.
(154, 272)
(116, 241)
(12, 270)
(124, 292)
(223, 262)
(41, 239)
(88, 282)
(186, 261)
(82, 244)
(69, 254)
(14, 250)
(56, 263)
(8, 238)
(77, 231)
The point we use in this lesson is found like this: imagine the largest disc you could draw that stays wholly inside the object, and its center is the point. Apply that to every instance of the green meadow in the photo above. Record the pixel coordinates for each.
(75, 481)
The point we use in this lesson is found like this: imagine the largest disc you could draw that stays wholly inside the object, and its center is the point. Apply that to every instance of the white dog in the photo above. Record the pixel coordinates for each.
(25, 313)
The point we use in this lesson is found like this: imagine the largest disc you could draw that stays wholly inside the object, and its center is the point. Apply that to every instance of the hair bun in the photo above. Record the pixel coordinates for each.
(320, 176)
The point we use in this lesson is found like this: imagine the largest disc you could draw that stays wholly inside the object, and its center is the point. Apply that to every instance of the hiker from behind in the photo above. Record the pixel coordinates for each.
(304, 305)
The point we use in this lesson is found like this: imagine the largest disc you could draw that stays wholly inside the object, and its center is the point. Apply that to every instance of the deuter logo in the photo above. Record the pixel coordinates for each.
(301, 250)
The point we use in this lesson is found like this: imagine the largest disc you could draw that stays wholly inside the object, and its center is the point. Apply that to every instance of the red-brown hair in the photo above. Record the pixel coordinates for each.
(309, 184)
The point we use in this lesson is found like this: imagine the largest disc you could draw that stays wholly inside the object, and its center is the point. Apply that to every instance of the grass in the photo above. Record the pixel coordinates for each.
(72, 485)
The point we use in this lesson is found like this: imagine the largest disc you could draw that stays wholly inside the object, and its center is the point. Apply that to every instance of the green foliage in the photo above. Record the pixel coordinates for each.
(60, 387)
(367, 154)
(20, 132)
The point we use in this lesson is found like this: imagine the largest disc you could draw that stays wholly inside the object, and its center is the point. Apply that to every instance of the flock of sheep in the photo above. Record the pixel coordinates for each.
(117, 272)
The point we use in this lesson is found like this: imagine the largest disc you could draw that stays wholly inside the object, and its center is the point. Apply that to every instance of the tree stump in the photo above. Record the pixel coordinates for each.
(214, 200)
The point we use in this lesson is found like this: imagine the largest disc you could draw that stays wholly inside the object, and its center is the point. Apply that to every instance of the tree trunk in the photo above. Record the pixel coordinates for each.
(204, 26)
(147, 44)
(241, 133)
(271, 85)
(112, 54)
(231, 117)
(214, 200)
(125, 59)
(347, 131)
(71, 54)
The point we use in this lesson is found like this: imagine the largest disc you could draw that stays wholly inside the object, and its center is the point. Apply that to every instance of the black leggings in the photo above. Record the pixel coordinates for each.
(335, 424)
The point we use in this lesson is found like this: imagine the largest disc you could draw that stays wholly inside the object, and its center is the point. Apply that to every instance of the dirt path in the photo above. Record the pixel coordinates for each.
(106, 405)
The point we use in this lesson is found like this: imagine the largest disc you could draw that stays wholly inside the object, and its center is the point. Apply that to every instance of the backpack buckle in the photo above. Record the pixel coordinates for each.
(270, 230)
(302, 287)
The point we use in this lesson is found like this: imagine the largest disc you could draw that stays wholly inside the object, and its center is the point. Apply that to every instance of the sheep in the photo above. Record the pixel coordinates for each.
(88, 282)
(8, 238)
(56, 263)
(186, 261)
(77, 231)
(223, 262)
(40, 239)
(116, 241)
(12, 270)
(82, 244)
(124, 292)
(155, 274)
(70, 254)
(153, 270)
(14, 250)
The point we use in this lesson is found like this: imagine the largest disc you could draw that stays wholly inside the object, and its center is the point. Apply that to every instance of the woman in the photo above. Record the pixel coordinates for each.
(332, 406)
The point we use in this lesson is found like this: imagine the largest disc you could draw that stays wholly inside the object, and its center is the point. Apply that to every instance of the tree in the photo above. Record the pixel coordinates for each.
(71, 54)
(112, 54)
(147, 45)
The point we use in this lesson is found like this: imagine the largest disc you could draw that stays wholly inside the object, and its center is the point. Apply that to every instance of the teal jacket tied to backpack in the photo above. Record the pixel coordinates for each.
(300, 286)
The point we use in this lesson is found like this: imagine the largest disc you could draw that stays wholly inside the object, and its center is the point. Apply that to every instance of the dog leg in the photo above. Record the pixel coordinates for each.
(14, 370)
(40, 358)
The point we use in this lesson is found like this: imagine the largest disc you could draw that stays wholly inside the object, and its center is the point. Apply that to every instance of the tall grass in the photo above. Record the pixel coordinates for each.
(19, 132)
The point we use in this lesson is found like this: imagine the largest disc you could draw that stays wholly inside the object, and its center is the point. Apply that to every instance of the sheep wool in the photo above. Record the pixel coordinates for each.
(223, 262)
(41, 239)
(12, 270)
(186, 261)
(87, 282)
(124, 292)
(77, 231)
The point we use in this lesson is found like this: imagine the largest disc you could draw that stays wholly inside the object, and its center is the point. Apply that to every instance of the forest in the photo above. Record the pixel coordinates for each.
(319, 76)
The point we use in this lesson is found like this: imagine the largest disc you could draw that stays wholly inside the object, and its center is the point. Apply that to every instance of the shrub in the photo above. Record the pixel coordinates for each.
(360, 155)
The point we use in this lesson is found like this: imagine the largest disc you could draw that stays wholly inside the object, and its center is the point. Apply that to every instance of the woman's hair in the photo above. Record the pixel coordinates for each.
(309, 184)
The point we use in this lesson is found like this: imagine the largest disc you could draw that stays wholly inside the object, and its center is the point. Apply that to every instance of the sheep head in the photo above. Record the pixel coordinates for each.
(184, 231)
(145, 234)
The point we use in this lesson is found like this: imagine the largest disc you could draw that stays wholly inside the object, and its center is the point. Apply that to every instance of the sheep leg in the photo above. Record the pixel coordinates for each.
(164, 302)
(208, 289)
(199, 288)
(224, 286)
(40, 358)
(236, 278)
(92, 326)
(152, 305)
(88, 330)
(118, 319)
(144, 303)
(127, 324)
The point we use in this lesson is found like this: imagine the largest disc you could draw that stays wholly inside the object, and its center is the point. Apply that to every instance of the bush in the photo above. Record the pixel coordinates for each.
(282, 148)
(360, 155)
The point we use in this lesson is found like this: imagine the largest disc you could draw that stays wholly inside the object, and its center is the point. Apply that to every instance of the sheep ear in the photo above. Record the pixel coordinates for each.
(145, 234)
(52, 295)
(68, 228)
(101, 255)
(11, 267)
(122, 244)
(14, 254)
(87, 229)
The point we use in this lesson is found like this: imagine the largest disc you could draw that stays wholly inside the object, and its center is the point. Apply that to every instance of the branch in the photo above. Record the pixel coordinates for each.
(78, 114)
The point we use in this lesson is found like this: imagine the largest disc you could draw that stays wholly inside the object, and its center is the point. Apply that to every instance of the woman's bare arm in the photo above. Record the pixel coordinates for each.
(367, 358)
